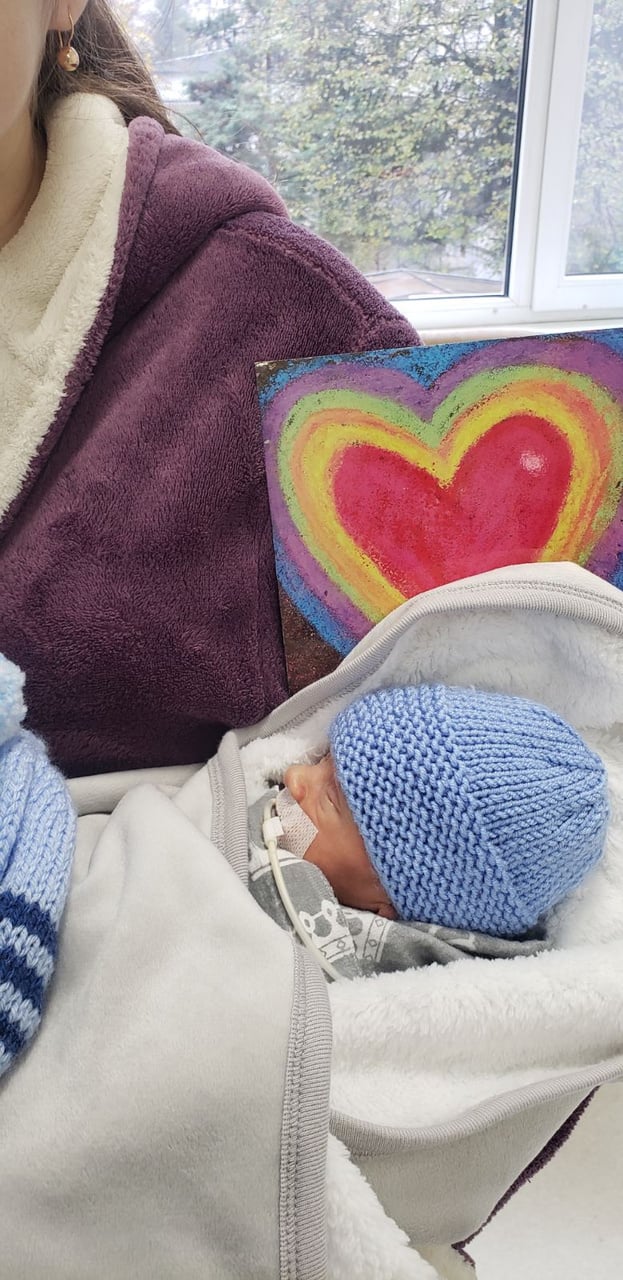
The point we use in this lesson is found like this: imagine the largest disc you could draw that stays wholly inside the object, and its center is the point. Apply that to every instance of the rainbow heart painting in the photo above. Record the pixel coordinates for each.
(395, 471)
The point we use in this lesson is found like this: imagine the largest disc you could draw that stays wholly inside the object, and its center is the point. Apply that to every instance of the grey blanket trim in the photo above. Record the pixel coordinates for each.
(365, 1138)
(302, 1199)
(305, 1116)
(229, 818)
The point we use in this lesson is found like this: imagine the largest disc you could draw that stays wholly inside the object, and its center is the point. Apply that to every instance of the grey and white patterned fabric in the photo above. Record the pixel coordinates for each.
(360, 943)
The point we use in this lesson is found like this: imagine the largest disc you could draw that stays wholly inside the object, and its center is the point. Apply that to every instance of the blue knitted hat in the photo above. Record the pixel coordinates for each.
(37, 832)
(477, 810)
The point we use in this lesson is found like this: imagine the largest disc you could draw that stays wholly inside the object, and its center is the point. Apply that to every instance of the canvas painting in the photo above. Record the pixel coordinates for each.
(396, 471)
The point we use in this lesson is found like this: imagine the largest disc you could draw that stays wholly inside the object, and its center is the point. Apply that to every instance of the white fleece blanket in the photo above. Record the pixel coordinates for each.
(429, 1045)
(409, 1048)
(363, 1241)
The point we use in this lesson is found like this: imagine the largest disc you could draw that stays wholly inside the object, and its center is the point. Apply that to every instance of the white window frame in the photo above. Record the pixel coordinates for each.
(540, 293)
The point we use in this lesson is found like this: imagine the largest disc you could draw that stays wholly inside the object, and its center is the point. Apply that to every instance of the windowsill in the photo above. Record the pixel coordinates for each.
(477, 331)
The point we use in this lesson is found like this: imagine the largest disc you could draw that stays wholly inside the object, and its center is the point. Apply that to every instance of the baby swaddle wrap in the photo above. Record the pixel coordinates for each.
(200, 1101)
(447, 1080)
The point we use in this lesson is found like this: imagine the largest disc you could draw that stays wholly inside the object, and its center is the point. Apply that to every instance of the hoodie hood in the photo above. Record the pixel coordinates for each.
(210, 190)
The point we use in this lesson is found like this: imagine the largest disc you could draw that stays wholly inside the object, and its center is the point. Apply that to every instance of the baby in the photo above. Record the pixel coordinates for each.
(467, 809)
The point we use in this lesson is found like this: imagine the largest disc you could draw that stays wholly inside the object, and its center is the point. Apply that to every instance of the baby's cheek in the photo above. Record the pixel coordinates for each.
(319, 853)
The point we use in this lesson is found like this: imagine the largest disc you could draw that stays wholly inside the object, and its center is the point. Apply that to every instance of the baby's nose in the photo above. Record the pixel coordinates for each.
(296, 781)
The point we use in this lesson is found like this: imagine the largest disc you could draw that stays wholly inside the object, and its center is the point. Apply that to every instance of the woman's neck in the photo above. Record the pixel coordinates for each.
(22, 165)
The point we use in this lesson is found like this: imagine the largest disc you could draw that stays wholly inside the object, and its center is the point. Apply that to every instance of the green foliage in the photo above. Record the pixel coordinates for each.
(232, 109)
(388, 129)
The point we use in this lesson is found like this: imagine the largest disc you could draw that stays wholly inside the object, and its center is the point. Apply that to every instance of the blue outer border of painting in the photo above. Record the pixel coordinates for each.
(309, 605)
(426, 363)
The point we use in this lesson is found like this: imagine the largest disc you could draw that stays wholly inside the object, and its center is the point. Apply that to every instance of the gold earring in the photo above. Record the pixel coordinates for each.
(67, 57)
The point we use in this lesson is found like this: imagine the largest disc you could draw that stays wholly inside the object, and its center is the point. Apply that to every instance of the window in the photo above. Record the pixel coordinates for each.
(465, 154)
(579, 252)
(596, 237)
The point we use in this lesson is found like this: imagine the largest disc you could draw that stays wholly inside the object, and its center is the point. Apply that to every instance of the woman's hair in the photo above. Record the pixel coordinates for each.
(109, 64)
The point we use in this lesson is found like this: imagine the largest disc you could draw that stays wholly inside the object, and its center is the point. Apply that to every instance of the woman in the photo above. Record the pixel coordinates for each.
(141, 276)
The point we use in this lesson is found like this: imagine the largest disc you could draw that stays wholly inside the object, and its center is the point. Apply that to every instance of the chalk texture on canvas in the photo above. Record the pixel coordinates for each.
(396, 471)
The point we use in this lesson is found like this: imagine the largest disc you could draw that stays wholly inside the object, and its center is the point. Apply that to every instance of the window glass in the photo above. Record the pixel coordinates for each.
(596, 240)
(389, 129)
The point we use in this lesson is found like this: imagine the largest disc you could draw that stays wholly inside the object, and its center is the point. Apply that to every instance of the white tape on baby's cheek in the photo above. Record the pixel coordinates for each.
(298, 829)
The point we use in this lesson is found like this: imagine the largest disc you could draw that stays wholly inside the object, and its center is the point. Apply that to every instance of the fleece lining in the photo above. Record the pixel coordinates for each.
(54, 271)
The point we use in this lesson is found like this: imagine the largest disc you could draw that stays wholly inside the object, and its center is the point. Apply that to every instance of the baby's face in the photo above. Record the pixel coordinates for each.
(338, 849)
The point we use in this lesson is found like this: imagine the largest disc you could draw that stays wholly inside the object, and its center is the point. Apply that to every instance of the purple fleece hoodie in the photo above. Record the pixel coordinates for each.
(137, 580)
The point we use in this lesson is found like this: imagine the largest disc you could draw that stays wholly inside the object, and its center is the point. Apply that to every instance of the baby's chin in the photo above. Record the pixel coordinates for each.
(374, 901)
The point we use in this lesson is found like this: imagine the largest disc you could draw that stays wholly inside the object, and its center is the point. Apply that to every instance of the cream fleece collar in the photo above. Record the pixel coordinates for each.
(54, 272)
